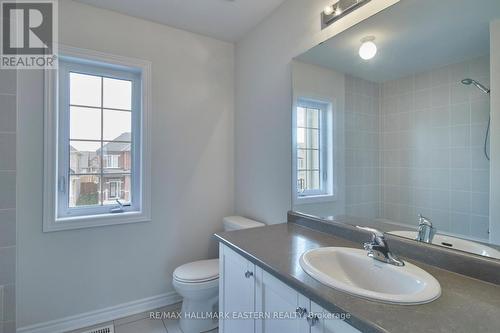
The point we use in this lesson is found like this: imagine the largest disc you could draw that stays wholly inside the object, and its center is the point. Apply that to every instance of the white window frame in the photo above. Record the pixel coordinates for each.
(140, 209)
(327, 172)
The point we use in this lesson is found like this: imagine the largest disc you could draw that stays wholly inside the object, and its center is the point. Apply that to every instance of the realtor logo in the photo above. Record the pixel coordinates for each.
(29, 33)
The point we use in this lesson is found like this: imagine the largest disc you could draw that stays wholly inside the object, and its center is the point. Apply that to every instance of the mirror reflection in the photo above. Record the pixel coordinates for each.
(392, 124)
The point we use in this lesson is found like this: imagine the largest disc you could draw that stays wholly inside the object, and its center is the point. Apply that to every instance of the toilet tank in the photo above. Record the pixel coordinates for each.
(240, 222)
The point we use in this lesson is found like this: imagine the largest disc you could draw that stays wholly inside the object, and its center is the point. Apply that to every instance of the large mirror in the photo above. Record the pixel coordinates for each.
(391, 124)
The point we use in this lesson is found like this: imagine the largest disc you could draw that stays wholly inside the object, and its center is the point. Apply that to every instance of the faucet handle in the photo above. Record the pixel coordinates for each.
(424, 220)
(378, 248)
(373, 231)
(378, 238)
(368, 246)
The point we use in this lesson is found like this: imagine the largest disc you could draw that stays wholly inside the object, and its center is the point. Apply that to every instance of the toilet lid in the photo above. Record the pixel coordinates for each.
(198, 271)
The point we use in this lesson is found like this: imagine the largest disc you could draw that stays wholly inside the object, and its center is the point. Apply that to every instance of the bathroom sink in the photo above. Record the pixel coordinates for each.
(454, 243)
(352, 271)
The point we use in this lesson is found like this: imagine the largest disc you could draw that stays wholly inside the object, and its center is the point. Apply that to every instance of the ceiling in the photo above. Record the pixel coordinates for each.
(227, 20)
(412, 36)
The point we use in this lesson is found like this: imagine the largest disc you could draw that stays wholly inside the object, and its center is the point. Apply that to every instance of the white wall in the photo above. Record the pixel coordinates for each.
(264, 102)
(73, 272)
(495, 132)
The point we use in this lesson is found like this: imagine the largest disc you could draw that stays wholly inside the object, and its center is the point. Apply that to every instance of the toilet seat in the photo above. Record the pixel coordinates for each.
(197, 271)
(196, 289)
(198, 284)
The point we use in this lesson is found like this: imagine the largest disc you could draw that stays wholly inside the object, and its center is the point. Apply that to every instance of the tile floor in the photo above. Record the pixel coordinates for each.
(141, 323)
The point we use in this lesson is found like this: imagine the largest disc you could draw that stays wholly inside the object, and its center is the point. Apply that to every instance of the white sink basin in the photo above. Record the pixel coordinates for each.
(454, 243)
(352, 271)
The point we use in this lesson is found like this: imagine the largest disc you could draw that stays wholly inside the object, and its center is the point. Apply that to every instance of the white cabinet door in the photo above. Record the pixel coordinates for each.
(280, 302)
(326, 323)
(236, 291)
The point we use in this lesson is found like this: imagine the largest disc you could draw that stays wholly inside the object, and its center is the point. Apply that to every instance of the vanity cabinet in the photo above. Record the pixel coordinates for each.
(236, 291)
(282, 303)
(329, 325)
(246, 289)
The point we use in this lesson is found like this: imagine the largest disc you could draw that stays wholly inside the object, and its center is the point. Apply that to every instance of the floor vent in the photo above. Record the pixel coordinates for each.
(103, 329)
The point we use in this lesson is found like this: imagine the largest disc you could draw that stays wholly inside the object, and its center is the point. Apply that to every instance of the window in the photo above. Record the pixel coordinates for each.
(313, 150)
(114, 189)
(98, 123)
(111, 161)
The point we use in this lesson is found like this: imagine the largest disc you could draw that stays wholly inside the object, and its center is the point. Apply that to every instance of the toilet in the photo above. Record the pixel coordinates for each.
(198, 284)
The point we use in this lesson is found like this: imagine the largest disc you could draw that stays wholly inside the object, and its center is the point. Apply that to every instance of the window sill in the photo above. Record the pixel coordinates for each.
(81, 222)
(315, 199)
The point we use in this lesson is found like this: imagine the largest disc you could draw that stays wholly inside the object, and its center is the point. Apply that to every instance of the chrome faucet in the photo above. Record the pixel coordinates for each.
(378, 248)
(425, 230)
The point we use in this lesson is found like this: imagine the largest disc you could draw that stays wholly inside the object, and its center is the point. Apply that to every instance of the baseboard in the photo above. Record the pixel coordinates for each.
(103, 315)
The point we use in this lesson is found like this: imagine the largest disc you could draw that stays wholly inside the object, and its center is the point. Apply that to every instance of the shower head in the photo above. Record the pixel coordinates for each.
(477, 84)
(485, 90)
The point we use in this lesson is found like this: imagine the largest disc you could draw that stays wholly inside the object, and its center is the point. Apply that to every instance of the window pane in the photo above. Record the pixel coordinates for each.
(117, 125)
(301, 138)
(301, 117)
(313, 159)
(85, 89)
(117, 157)
(312, 180)
(117, 187)
(301, 159)
(117, 94)
(313, 118)
(84, 157)
(84, 191)
(308, 181)
(301, 181)
(85, 123)
(312, 138)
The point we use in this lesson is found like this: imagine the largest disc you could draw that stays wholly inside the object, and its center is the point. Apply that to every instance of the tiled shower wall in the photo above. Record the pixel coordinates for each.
(7, 199)
(362, 147)
(431, 149)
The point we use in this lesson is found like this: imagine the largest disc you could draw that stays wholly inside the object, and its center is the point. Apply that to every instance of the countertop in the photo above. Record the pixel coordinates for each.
(466, 304)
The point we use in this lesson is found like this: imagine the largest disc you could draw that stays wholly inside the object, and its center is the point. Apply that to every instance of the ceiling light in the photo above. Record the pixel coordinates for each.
(368, 49)
(339, 9)
(328, 10)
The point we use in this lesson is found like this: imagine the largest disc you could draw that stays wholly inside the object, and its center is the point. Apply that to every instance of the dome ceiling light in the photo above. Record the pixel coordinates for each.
(368, 48)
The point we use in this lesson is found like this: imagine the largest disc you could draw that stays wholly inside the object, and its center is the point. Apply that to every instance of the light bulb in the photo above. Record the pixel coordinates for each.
(368, 50)
(338, 11)
(328, 10)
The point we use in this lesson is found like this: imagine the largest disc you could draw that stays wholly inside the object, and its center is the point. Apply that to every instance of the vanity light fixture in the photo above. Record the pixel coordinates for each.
(368, 48)
(338, 10)
(328, 10)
